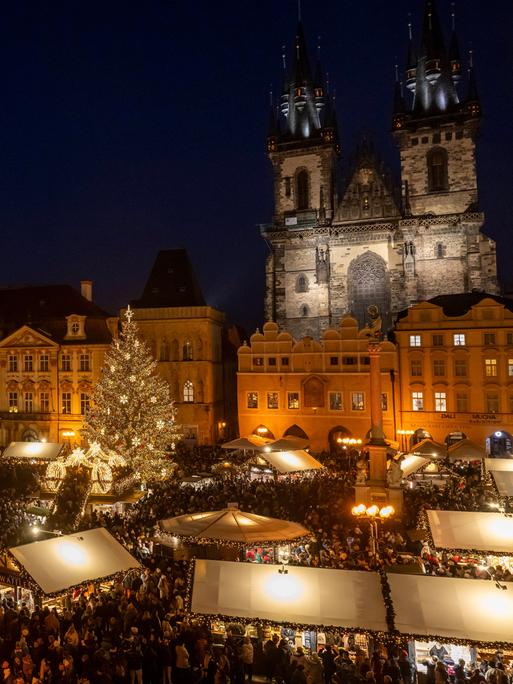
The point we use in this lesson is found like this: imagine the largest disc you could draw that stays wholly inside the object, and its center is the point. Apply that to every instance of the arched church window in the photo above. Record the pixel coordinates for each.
(302, 190)
(439, 250)
(304, 311)
(164, 350)
(188, 392)
(187, 351)
(437, 170)
(369, 284)
(302, 283)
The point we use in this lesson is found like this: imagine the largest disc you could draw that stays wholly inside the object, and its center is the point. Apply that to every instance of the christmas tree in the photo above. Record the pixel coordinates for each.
(132, 412)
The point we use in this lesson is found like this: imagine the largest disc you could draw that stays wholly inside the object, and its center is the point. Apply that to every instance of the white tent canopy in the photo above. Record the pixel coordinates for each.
(410, 464)
(232, 525)
(503, 481)
(488, 532)
(291, 461)
(44, 451)
(429, 449)
(452, 607)
(499, 465)
(252, 443)
(466, 450)
(62, 562)
(308, 596)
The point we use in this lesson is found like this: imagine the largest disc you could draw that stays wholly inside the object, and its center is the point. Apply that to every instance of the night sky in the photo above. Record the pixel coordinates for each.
(126, 128)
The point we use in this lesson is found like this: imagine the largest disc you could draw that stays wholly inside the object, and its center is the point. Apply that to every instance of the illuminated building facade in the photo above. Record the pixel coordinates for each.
(337, 248)
(314, 389)
(53, 340)
(192, 346)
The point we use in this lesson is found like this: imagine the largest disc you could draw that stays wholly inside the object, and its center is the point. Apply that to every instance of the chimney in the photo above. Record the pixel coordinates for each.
(86, 289)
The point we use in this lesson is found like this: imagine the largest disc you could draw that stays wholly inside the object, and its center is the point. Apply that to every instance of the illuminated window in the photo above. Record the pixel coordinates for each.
(293, 400)
(440, 401)
(28, 402)
(384, 401)
(415, 341)
(302, 190)
(489, 339)
(461, 402)
(28, 365)
(438, 340)
(188, 392)
(439, 368)
(66, 362)
(357, 401)
(75, 328)
(417, 400)
(13, 400)
(66, 402)
(437, 170)
(258, 361)
(44, 402)
(459, 339)
(510, 367)
(460, 368)
(12, 363)
(252, 400)
(187, 351)
(272, 400)
(84, 403)
(416, 368)
(43, 363)
(84, 362)
(491, 368)
(335, 401)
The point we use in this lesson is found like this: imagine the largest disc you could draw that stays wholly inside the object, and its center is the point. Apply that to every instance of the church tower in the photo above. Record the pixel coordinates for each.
(303, 147)
(435, 131)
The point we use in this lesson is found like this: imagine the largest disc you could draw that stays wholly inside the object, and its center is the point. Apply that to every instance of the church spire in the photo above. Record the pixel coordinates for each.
(454, 49)
(472, 103)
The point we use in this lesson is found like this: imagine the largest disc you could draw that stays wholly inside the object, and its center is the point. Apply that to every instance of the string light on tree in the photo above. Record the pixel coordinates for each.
(132, 407)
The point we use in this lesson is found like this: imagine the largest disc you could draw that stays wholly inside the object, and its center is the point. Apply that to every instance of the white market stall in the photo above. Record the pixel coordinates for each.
(503, 481)
(428, 448)
(286, 462)
(452, 608)
(466, 450)
(62, 562)
(499, 465)
(33, 451)
(303, 596)
(411, 464)
(468, 530)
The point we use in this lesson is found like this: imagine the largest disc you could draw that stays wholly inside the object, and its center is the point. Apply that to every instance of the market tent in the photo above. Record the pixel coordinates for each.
(503, 481)
(429, 449)
(466, 450)
(231, 525)
(411, 464)
(291, 461)
(253, 442)
(499, 464)
(468, 530)
(42, 451)
(62, 562)
(456, 608)
(305, 596)
(289, 443)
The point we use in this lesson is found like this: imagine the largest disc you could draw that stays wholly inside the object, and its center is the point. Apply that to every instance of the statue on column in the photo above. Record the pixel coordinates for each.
(361, 469)
(375, 323)
(395, 474)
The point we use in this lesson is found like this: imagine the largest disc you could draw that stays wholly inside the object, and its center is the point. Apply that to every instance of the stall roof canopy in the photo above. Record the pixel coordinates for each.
(253, 443)
(466, 450)
(411, 464)
(62, 562)
(46, 451)
(429, 449)
(291, 461)
(445, 607)
(306, 596)
(256, 443)
(468, 530)
(232, 525)
(499, 464)
(503, 481)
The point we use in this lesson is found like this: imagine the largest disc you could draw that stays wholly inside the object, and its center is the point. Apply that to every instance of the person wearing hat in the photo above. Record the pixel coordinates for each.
(314, 669)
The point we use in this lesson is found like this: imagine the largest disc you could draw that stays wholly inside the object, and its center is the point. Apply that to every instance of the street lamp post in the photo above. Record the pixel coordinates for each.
(349, 444)
(373, 514)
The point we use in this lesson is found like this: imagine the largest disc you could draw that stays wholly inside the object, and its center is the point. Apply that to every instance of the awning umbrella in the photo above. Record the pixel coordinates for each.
(232, 526)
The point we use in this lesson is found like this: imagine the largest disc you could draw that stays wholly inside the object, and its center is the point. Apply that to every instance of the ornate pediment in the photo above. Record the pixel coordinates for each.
(27, 337)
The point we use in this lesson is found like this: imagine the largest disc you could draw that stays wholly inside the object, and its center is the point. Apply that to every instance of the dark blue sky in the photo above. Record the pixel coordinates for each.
(129, 127)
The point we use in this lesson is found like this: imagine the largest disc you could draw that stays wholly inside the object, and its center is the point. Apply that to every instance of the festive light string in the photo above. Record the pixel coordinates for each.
(202, 541)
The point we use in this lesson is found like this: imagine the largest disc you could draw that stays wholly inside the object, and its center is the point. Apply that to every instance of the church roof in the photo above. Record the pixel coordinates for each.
(172, 282)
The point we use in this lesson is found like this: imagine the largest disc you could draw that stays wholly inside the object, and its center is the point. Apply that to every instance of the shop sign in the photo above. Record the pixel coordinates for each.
(448, 416)
(483, 418)
(11, 581)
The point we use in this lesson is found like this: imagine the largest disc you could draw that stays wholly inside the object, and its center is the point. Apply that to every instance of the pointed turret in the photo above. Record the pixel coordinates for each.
(273, 128)
(454, 51)
(319, 88)
(472, 102)
(399, 114)
(432, 45)
(411, 60)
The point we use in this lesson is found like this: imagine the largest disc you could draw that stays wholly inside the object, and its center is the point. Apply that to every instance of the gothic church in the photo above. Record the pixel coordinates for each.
(336, 250)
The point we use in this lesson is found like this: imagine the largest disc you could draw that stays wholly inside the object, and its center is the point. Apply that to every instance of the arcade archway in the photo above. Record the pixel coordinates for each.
(500, 444)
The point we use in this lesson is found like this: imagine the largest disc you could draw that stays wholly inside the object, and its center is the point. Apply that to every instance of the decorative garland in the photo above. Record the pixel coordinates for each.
(201, 541)
(387, 599)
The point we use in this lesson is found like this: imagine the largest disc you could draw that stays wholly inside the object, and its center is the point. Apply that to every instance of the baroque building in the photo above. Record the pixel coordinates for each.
(53, 340)
(335, 248)
(193, 348)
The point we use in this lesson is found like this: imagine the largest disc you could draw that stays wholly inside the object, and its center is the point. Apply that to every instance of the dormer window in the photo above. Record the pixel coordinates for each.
(76, 326)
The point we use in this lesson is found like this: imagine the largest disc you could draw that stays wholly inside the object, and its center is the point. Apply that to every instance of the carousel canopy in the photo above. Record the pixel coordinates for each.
(62, 562)
(499, 465)
(411, 464)
(291, 461)
(467, 530)
(452, 607)
(466, 450)
(44, 451)
(306, 596)
(232, 525)
(429, 449)
(503, 481)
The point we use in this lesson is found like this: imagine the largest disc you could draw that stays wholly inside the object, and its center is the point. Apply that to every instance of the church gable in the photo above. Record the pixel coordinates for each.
(369, 194)
(27, 337)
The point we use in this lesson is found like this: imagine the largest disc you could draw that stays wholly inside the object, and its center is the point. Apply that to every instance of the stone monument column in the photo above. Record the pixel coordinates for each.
(377, 446)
